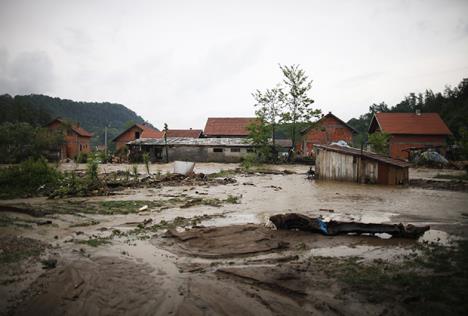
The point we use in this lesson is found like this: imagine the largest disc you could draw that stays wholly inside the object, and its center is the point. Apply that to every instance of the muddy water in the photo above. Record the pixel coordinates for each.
(177, 277)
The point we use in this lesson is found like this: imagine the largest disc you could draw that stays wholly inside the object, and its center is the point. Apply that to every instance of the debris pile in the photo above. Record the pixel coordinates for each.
(332, 228)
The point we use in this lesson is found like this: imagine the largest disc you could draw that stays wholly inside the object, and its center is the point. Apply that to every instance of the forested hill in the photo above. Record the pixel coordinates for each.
(93, 116)
(452, 106)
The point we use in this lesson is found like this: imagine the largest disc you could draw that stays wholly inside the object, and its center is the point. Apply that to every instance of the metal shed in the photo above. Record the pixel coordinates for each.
(351, 164)
(192, 149)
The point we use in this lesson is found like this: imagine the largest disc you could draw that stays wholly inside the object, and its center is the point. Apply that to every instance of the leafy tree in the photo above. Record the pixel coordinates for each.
(20, 141)
(269, 107)
(296, 99)
(379, 142)
(259, 134)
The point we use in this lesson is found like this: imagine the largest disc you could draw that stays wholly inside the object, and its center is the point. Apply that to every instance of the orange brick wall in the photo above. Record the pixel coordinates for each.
(126, 137)
(330, 130)
(74, 143)
(398, 143)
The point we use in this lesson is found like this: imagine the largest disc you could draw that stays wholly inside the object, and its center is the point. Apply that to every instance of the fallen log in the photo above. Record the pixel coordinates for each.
(332, 228)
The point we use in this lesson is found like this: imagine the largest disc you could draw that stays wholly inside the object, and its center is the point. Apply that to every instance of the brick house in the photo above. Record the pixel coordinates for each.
(328, 129)
(77, 139)
(228, 127)
(410, 131)
(136, 131)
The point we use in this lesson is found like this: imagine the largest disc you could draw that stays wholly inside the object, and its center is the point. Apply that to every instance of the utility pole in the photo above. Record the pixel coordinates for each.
(165, 141)
(105, 141)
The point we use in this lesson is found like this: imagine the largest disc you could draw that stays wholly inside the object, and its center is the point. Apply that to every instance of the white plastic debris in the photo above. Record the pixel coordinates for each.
(144, 207)
(183, 167)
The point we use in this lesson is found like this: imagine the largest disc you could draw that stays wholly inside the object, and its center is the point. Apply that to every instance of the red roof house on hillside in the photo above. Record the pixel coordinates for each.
(411, 131)
(136, 131)
(77, 139)
(325, 131)
(228, 126)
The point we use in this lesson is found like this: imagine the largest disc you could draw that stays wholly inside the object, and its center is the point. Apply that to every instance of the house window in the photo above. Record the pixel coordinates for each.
(81, 147)
(235, 150)
(250, 150)
(137, 135)
(217, 150)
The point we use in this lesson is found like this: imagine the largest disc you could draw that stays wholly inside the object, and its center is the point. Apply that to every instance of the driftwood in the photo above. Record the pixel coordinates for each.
(332, 228)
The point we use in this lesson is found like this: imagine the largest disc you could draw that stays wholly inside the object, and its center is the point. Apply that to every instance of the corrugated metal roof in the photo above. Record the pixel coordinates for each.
(225, 126)
(411, 123)
(188, 141)
(367, 154)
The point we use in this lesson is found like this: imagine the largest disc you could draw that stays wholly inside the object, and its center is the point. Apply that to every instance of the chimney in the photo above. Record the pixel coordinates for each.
(418, 112)
(77, 124)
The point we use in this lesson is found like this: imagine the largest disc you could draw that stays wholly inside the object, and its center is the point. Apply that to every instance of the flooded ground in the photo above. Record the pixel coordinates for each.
(210, 250)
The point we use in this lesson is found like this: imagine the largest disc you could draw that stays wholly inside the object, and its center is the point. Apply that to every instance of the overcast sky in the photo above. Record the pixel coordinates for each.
(182, 61)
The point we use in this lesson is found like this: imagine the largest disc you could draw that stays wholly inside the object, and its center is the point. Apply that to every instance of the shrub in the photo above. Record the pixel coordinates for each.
(81, 158)
(248, 161)
(92, 171)
(30, 177)
(146, 159)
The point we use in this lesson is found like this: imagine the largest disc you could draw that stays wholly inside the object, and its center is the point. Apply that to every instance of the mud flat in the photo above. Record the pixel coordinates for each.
(209, 250)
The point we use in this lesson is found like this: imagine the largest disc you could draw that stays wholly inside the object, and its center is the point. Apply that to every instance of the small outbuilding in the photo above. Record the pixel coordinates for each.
(341, 163)
(191, 149)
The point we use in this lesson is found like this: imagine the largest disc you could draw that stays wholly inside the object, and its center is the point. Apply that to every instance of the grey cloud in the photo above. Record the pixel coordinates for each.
(28, 72)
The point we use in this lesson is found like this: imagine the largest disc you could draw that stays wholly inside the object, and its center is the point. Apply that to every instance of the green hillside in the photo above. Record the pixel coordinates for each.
(93, 116)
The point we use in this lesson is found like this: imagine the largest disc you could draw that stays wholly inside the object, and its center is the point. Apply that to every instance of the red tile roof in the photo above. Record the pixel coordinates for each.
(146, 131)
(149, 132)
(410, 123)
(74, 127)
(191, 133)
(228, 126)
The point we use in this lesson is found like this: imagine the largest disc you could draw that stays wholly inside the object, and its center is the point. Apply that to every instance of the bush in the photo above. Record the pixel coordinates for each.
(81, 158)
(31, 177)
(248, 161)
(146, 160)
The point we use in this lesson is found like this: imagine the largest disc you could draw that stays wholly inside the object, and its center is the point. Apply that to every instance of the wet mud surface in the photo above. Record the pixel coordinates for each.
(209, 249)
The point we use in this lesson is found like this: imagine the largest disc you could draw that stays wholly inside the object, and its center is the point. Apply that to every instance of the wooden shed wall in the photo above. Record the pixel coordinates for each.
(331, 165)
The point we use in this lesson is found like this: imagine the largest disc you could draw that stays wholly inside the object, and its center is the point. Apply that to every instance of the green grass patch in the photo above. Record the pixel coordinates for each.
(29, 178)
(463, 177)
(435, 283)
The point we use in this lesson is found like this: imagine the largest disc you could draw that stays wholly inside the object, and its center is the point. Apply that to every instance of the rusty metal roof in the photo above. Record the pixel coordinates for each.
(188, 141)
(410, 123)
(228, 126)
(367, 154)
